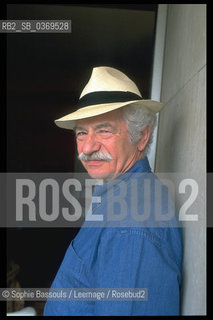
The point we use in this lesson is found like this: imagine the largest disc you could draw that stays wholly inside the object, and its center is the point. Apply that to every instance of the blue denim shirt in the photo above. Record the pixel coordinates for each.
(128, 256)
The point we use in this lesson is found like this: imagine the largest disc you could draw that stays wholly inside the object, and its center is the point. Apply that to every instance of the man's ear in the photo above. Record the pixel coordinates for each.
(145, 134)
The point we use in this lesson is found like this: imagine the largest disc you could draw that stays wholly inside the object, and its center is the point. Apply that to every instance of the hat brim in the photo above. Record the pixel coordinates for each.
(68, 121)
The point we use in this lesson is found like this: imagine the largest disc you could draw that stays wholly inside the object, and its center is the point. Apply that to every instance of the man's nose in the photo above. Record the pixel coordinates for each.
(90, 144)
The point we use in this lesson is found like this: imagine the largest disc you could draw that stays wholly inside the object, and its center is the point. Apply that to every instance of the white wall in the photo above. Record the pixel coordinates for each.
(157, 71)
(182, 134)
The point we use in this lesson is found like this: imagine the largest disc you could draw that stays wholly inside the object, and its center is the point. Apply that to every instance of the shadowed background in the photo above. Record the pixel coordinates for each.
(45, 76)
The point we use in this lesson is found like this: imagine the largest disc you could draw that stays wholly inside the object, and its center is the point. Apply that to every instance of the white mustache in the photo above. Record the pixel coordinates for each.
(98, 155)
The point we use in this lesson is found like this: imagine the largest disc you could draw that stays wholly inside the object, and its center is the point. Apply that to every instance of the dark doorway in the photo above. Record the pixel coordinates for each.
(45, 75)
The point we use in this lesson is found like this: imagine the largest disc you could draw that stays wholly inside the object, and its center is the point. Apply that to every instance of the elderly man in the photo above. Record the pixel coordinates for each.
(114, 127)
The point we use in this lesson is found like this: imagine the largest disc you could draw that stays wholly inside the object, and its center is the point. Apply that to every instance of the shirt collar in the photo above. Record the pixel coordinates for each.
(140, 166)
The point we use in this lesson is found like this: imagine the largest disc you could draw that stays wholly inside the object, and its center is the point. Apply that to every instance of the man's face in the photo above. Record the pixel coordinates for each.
(106, 133)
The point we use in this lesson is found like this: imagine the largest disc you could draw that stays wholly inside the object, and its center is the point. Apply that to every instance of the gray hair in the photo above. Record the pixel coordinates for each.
(137, 119)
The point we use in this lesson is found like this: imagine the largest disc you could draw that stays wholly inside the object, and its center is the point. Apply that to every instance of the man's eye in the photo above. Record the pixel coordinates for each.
(80, 133)
(104, 131)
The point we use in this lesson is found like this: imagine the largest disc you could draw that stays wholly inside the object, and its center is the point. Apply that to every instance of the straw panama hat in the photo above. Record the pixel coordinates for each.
(108, 89)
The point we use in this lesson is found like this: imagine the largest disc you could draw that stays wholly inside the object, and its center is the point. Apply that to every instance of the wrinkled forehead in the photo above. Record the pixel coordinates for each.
(112, 118)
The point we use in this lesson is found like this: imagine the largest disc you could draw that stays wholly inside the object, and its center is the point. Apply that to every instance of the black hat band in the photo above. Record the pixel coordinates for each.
(102, 97)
